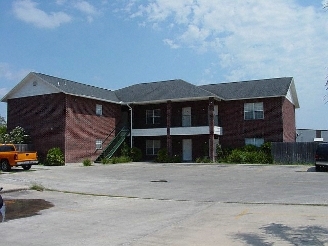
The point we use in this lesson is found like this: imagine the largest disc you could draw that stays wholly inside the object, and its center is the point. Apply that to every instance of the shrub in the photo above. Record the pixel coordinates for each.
(205, 159)
(86, 162)
(219, 152)
(120, 159)
(163, 157)
(136, 154)
(176, 159)
(55, 157)
(105, 161)
(125, 151)
(251, 155)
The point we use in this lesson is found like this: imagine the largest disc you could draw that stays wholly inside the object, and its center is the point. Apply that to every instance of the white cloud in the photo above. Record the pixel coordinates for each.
(60, 2)
(11, 75)
(252, 39)
(26, 10)
(171, 43)
(87, 9)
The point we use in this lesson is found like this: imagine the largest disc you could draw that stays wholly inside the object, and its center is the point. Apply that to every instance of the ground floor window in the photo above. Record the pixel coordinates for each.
(254, 141)
(152, 147)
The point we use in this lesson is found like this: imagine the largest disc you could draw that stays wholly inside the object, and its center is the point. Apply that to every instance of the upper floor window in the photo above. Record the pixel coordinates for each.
(153, 116)
(99, 109)
(253, 111)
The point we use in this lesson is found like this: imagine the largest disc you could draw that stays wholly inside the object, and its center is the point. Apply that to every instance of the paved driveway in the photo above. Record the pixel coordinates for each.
(171, 204)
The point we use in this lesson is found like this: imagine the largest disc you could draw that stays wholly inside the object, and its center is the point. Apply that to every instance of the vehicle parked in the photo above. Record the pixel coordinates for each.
(2, 207)
(10, 157)
(321, 157)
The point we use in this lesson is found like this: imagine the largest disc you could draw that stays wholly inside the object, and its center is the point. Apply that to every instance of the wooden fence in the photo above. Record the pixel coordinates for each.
(294, 153)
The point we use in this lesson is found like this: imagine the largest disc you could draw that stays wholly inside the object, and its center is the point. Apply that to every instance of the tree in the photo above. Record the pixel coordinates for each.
(16, 136)
(3, 121)
(3, 129)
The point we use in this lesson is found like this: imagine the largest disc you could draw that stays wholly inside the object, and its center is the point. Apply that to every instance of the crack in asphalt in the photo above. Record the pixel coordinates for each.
(187, 200)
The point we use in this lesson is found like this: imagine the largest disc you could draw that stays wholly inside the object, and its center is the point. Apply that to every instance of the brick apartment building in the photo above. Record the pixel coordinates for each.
(186, 119)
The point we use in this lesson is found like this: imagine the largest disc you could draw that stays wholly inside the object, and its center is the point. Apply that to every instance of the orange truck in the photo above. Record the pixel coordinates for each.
(10, 157)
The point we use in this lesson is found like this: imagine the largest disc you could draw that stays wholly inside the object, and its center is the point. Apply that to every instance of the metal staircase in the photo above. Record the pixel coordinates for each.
(114, 144)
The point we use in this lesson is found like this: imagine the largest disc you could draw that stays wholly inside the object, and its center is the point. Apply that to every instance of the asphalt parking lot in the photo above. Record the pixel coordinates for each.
(168, 204)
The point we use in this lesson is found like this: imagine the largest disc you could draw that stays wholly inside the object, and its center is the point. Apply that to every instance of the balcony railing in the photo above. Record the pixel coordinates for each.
(181, 121)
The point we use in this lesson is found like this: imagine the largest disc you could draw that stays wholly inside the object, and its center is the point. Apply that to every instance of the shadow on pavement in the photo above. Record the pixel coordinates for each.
(311, 169)
(305, 235)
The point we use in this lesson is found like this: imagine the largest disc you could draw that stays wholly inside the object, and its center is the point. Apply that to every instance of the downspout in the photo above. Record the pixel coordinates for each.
(131, 111)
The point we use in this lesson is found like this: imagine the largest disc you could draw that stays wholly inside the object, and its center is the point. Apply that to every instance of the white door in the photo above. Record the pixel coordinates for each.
(187, 149)
(186, 116)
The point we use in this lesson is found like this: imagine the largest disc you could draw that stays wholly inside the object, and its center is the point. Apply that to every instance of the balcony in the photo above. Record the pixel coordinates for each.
(185, 125)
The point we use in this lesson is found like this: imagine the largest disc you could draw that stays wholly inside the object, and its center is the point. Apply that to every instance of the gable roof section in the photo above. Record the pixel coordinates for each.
(264, 88)
(161, 91)
(66, 86)
(78, 89)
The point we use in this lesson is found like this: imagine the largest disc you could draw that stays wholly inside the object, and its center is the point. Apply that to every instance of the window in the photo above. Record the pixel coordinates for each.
(153, 116)
(254, 141)
(5, 148)
(253, 111)
(98, 144)
(98, 109)
(186, 116)
(152, 147)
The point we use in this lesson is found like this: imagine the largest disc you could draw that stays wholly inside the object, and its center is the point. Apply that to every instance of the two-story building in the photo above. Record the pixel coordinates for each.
(186, 119)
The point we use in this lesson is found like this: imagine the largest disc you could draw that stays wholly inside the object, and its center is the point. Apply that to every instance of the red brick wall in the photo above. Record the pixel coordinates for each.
(278, 124)
(84, 127)
(289, 123)
(42, 117)
(67, 122)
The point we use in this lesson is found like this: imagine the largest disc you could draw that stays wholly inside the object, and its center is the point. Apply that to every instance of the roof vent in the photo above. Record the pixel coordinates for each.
(58, 83)
(35, 83)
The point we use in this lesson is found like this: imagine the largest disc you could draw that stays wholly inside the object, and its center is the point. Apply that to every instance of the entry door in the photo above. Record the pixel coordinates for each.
(187, 149)
(186, 116)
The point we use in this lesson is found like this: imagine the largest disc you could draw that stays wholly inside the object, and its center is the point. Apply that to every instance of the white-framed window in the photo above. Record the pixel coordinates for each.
(254, 141)
(153, 116)
(98, 144)
(152, 147)
(99, 110)
(253, 111)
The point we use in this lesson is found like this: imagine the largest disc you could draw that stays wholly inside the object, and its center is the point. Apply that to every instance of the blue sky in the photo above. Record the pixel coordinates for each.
(117, 43)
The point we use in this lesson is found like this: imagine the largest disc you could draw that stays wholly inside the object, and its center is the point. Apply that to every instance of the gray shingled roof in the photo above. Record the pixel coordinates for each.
(75, 88)
(163, 90)
(250, 89)
(176, 90)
